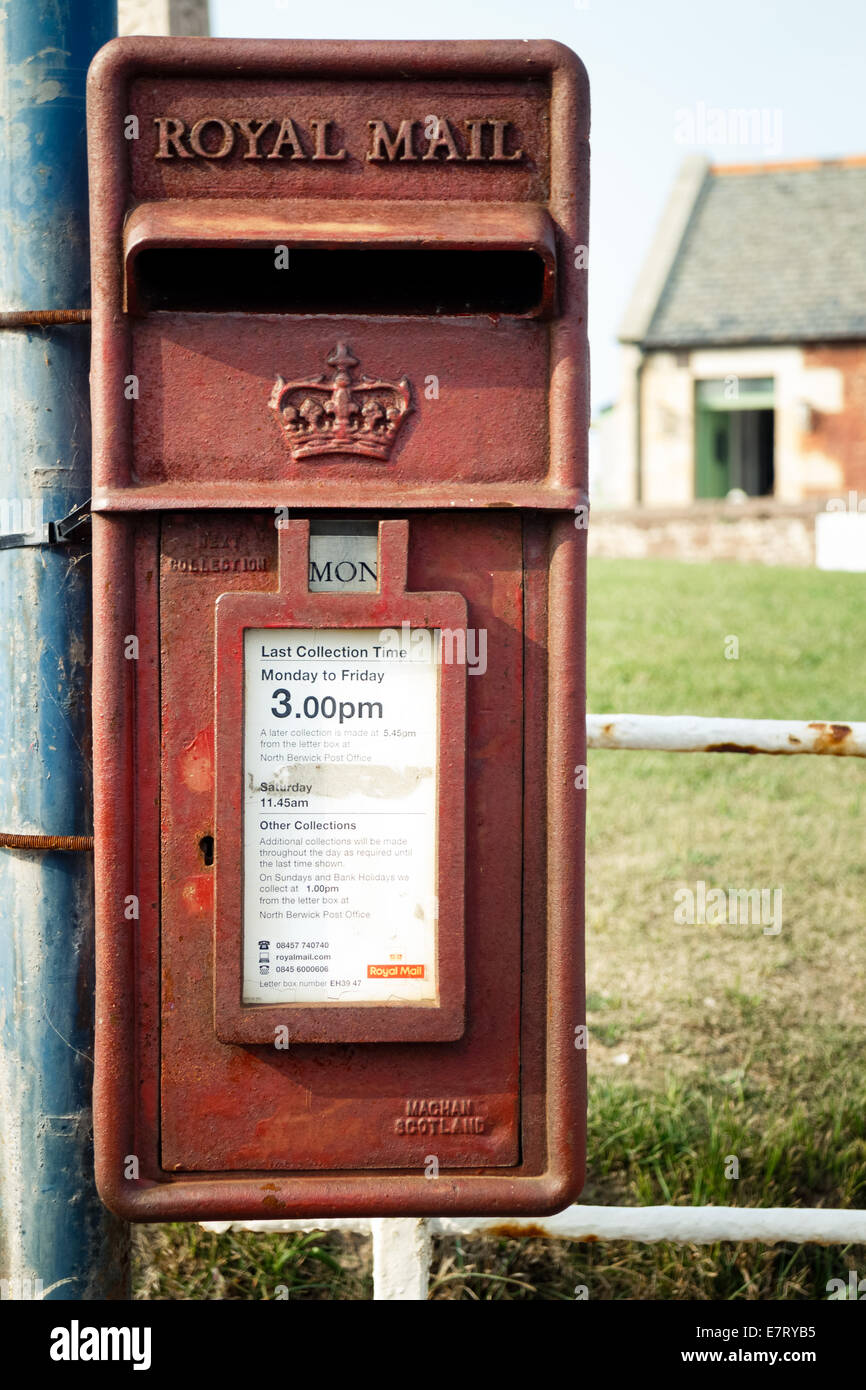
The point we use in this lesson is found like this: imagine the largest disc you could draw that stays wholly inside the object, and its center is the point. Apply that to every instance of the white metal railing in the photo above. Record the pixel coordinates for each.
(401, 1245)
(686, 733)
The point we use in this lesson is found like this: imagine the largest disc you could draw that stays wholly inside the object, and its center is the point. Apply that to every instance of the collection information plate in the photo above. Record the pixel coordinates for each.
(340, 815)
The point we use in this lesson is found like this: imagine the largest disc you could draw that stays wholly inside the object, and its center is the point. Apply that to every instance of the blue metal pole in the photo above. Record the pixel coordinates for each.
(55, 1236)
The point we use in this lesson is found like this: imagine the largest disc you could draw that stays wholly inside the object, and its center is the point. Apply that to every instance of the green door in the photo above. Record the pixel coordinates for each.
(713, 453)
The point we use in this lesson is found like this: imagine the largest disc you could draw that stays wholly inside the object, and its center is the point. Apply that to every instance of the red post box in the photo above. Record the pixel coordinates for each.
(340, 413)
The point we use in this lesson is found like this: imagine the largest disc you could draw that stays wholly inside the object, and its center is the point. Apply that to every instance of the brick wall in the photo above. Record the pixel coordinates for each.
(842, 435)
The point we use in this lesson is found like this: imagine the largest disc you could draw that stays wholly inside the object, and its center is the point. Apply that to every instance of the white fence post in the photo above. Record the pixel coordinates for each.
(401, 1258)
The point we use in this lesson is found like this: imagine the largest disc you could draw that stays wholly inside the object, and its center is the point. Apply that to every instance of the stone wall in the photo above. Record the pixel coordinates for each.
(753, 532)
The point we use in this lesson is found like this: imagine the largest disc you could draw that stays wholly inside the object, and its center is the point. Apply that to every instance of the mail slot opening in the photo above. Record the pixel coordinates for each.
(339, 281)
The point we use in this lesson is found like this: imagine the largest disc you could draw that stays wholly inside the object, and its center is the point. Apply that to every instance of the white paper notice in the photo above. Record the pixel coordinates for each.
(340, 823)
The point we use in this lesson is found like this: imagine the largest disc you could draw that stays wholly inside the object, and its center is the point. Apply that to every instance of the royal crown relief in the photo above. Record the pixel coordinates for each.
(472, 140)
(341, 415)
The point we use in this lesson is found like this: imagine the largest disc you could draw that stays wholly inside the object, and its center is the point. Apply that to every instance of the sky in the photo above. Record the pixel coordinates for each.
(657, 71)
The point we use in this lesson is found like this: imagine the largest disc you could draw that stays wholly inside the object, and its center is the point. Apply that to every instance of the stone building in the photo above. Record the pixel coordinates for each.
(744, 345)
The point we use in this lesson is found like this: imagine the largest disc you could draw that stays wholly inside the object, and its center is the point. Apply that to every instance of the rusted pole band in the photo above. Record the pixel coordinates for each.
(42, 318)
(47, 842)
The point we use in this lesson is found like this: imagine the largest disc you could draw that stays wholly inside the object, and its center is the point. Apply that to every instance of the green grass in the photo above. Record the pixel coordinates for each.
(705, 1041)
(657, 631)
(183, 1261)
(737, 1043)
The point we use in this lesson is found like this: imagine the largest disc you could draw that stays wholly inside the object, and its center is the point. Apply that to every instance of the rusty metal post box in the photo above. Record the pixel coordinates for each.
(340, 411)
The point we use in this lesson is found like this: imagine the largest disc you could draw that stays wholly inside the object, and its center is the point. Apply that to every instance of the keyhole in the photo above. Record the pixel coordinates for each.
(205, 844)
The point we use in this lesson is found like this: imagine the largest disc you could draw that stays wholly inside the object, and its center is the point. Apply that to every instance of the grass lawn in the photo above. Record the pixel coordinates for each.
(706, 1042)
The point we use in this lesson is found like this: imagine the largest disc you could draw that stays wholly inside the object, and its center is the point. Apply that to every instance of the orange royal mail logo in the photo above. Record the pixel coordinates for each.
(395, 972)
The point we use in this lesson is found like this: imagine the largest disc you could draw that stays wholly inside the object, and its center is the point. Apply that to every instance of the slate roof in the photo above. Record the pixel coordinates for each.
(777, 255)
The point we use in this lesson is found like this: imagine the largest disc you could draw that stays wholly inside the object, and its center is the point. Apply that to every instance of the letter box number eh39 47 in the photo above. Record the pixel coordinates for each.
(340, 413)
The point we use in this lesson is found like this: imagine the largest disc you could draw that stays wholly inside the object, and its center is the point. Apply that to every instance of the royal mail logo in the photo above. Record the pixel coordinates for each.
(341, 415)
(395, 972)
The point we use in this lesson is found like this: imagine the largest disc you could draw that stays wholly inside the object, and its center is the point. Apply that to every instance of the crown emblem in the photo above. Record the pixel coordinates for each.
(339, 415)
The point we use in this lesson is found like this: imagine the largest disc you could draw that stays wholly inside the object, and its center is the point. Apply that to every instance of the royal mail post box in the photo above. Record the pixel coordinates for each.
(340, 411)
